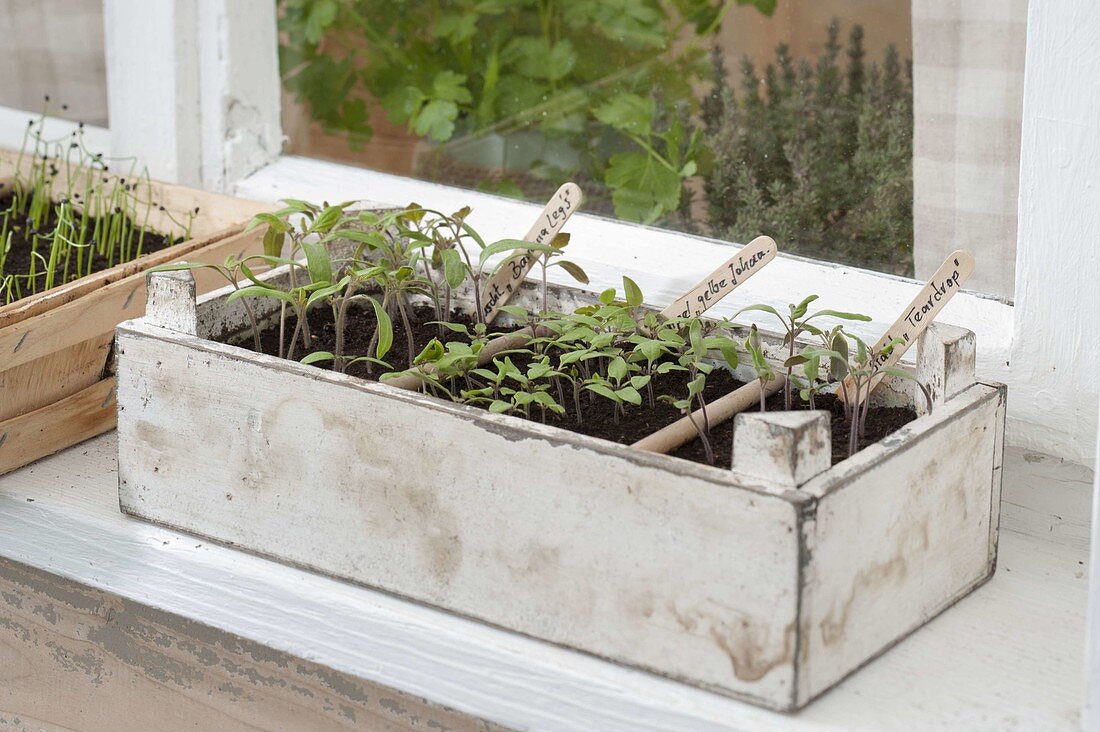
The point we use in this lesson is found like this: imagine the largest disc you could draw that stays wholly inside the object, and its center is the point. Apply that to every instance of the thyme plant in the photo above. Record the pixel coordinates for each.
(817, 153)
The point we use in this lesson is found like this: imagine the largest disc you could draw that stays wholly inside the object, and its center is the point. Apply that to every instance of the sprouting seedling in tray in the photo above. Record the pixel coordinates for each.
(73, 214)
(796, 322)
(856, 366)
(763, 369)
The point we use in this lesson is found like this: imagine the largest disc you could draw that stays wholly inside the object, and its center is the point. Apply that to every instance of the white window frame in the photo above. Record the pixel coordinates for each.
(193, 91)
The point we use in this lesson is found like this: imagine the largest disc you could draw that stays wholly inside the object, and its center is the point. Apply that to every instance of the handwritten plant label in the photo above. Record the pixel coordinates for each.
(916, 317)
(508, 278)
(724, 280)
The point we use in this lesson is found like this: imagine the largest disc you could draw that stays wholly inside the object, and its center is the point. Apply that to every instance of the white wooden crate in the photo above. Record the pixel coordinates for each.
(768, 582)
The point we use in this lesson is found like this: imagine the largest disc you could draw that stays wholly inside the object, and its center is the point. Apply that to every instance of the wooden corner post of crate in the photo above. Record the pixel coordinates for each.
(784, 449)
(946, 356)
(170, 301)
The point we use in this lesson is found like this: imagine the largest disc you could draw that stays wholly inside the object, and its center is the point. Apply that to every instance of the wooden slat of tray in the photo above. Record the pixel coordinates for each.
(44, 431)
(35, 384)
(101, 310)
(35, 305)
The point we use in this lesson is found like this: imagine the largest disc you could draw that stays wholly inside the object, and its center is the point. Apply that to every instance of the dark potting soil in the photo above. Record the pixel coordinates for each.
(597, 414)
(18, 260)
(881, 422)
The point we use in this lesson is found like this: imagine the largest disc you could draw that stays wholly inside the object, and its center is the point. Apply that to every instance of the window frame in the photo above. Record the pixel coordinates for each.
(223, 66)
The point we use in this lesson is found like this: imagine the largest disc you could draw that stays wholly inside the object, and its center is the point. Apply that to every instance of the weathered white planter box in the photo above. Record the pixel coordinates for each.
(769, 582)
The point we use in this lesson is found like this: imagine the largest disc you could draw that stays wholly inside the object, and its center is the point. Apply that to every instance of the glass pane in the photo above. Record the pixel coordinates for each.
(792, 118)
(54, 48)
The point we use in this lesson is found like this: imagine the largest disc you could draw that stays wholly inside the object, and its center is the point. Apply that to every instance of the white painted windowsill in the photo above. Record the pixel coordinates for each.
(1010, 655)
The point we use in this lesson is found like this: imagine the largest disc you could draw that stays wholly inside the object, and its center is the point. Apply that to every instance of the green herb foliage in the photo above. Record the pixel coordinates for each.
(818, 155)
(587, 73)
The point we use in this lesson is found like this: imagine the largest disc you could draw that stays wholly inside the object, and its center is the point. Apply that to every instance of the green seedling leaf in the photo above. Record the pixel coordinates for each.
(520, 313)
(840, 315)
(372, 239)
(273, 242)
(603, 391)
(297, 205)
(725, 346)
(454, 272)
(618, 369)
(812, 368)
(544, 398)
(254, 291)
(317, 357)
(632, 292)
(573, 269)
(324, 292)
(668, 335)
(318, 263)
(377, 361)
(385, 329)
(695, 337)
(247, 272)
(328, 218)
(280, 225)
(572, 357)
(797, 311)
(508, 245)
(629, 395)
(838, 362)
(759, 308)
(430, 353)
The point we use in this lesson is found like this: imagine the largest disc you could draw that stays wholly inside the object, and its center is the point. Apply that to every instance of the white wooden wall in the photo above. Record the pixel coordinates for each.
(54, 47)
(1055, 348)
(1055, 352)
(193, 87)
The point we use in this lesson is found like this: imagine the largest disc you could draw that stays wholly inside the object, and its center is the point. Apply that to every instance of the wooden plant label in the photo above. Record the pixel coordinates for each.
(916, 317)
(506, 281)
(724, 280)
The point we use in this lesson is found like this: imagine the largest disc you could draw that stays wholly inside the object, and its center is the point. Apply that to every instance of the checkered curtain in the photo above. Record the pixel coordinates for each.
(968, 80)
